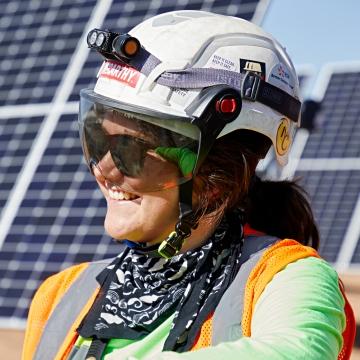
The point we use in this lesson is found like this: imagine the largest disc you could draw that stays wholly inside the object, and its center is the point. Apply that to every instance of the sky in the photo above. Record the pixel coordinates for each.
(316, 31)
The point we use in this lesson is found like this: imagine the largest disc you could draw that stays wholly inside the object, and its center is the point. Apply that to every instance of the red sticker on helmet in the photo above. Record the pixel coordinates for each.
(119, 72)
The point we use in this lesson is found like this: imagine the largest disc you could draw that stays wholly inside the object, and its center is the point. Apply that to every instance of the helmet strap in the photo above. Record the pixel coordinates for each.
(173, 243)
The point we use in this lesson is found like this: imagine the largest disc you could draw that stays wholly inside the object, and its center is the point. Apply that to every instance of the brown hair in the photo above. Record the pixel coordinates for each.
(227, 180)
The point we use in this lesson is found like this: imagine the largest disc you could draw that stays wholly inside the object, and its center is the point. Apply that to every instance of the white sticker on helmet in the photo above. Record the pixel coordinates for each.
(120, 72)
(220, 62)
(281, 77)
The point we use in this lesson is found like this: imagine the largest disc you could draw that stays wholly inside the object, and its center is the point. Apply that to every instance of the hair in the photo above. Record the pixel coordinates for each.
(227, 180)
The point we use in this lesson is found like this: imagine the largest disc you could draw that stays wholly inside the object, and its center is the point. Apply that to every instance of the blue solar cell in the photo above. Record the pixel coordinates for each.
(14, 169)
(11, 293)
(6, 255)
(73, 221)
(21, 274)
(6, 186)
(80, 258)
(97, 220)
(333, 205)
(55, 257)
(6, 311)
(30, 256)
(356, 256)
(81, 202)
(53, 203)
(67, 239)
(14, 147)
(87, 185)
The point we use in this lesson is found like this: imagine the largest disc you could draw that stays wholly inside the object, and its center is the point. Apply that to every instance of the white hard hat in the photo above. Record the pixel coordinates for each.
(196, 39)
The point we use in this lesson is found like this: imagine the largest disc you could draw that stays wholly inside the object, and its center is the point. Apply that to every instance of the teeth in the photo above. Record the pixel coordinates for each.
(120, 195)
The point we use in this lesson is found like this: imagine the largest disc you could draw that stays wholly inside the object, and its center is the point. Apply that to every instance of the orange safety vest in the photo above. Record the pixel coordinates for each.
(273, 260)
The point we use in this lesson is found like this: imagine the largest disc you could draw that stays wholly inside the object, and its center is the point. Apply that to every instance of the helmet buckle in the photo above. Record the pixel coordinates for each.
(250, 86)
(171, 246)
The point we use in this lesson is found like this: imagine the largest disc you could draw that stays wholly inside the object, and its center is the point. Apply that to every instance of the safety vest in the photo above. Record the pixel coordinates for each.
(64, 299)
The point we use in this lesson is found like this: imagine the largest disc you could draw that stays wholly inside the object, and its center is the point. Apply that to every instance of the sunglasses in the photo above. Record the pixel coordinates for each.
(127, 152)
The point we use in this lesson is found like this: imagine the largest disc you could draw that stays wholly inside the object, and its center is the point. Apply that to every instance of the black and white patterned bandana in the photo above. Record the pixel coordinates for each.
(139, 292)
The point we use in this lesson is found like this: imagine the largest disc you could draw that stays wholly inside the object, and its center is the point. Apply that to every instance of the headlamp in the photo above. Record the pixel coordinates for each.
(125, 46)
(113, 45)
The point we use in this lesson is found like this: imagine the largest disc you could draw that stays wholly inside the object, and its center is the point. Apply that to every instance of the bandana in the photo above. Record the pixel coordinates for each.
(139, 292)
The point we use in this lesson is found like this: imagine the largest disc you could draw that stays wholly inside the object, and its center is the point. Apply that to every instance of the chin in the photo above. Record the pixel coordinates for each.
(120, 231)
(151, 235)
(148, 222)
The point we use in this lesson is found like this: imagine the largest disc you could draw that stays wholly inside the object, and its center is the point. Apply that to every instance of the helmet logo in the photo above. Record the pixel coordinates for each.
(123, 73)
(281, 77)
(283, 138)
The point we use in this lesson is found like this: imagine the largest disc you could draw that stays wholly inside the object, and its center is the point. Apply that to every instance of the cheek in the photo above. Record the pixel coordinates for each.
(161, 206)
(158, 172)
(159, 215)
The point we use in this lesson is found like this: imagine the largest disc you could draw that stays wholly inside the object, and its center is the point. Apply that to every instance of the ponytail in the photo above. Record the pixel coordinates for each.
(282, 209)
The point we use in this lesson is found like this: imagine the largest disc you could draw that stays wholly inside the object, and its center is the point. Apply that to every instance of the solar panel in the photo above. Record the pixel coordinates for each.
(50, 231)
(16, 137)
(333, 201)
(339, 135)
(37, 42)
(51, 210)
(330, 164)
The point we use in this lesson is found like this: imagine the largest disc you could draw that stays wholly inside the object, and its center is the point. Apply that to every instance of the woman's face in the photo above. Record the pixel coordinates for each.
(133, 211)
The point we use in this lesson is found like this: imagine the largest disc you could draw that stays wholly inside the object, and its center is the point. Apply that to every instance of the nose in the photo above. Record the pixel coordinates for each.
(106, 169)
(97, 172)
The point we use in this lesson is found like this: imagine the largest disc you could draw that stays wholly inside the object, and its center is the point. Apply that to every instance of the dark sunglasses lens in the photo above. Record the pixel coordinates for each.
(128, 154)
(96, 141)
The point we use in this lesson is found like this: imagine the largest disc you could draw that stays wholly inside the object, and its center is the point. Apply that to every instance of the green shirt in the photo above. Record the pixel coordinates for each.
(298, 316)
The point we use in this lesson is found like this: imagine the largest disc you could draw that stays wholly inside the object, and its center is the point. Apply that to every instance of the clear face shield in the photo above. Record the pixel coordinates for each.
(123, 142)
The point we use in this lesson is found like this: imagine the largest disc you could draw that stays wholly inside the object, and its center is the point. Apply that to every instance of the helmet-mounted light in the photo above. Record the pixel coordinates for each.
(126, 46)
(113, 45)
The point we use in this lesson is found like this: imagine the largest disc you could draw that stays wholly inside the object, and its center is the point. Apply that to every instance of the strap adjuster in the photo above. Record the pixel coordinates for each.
(171, 246)
(250, 86)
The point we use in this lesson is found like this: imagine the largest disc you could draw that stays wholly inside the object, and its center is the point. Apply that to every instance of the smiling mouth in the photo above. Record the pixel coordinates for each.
(116, 193)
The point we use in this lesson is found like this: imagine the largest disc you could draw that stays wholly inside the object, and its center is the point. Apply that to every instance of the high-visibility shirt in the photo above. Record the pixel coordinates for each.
(290, 308)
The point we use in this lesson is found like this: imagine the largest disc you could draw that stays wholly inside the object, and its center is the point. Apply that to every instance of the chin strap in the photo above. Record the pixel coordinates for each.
(172, 245)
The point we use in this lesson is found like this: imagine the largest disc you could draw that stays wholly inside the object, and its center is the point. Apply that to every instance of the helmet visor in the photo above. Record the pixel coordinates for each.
(121, 141)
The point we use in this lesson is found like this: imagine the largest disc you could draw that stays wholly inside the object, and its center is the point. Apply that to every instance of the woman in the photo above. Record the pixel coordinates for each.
(217, 262)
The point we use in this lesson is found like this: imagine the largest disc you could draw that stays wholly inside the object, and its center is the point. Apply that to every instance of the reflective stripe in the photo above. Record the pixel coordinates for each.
(228, 314)
(66, 312)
